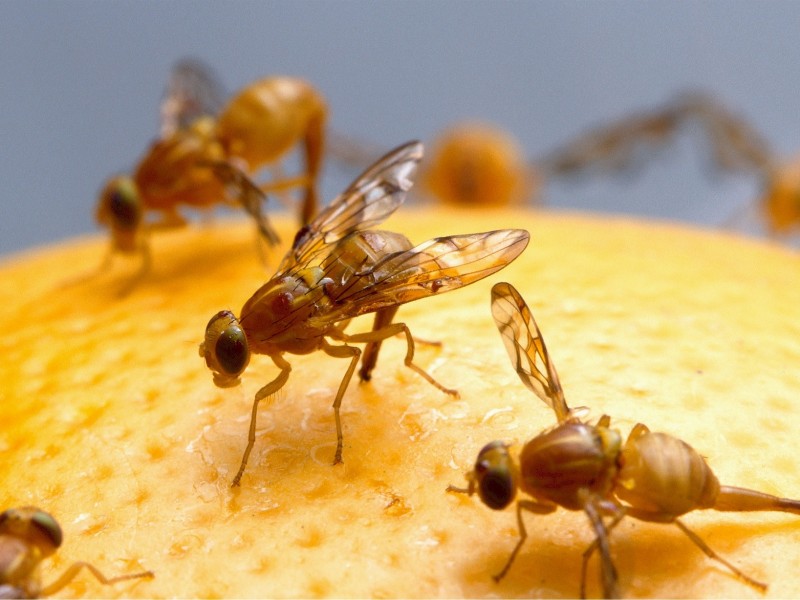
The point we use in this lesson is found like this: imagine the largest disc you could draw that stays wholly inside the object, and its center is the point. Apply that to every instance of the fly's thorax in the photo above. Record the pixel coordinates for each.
(277, 317)
(119, 208)
(560, 464)
(357, 254)
(664, 476)
(174, 170)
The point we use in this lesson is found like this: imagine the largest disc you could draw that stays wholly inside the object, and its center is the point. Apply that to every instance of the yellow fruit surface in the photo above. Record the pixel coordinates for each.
(111, 422)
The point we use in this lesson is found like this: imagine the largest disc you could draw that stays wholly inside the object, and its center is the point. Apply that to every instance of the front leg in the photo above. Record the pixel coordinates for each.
(75, 568)
(530, 506)
(593, 506)
(353, 354)
(266, 391)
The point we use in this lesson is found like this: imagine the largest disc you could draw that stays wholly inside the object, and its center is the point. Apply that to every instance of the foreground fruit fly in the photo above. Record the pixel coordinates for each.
(652, 476)
(338, 268)
(204, 149)
(28, 535)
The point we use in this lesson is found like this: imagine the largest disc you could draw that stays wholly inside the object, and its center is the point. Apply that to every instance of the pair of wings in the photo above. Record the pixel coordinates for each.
(526, 348)
(193, 91)
(433, 267)
(622, 145)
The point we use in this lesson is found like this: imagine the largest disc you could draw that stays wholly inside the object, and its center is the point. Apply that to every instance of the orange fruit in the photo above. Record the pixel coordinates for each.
(111, 421)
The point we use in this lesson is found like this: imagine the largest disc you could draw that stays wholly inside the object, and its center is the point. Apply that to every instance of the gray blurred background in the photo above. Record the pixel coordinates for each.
(81, 82)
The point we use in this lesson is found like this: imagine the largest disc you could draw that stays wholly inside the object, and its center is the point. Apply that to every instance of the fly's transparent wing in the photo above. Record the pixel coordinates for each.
(526, 348)
(620, 146)
(192, 91)
(736, 146)
(247, 193)
(433, 267)
(368, 201)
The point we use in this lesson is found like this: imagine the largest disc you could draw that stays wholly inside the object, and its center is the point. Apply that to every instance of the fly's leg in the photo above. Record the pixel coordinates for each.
(104, 266)
(383, 318)
(714, 556)
(469, 490)
(314, 152)
(142, 248)
(378, 335)
(266, 391)
(530, 506)
(353, 354)
(602, 532)
(251, 198)
(144, 269)
(280, 183)
(75, 568)
(244, 192)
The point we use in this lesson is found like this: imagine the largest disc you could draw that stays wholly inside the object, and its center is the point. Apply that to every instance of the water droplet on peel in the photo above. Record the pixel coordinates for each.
(502, 419)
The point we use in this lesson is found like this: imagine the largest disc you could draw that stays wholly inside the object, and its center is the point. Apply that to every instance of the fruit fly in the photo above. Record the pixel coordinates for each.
(734, 147)
(28, 535)
(204, 145)
(339, 268)
(477, 164)
(651, 476)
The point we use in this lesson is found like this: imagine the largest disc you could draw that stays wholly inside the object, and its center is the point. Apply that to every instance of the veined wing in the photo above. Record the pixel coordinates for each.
(735, 144)
(368, 201)
(247, 193)
(192, 91)
(433, 267)
(619, 147)
(526, 348)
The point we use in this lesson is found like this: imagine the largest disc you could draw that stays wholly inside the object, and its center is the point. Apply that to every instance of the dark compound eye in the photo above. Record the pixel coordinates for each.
(45, 523)
(123, 202)
(496, 488)
(494, 471)
(231, 350)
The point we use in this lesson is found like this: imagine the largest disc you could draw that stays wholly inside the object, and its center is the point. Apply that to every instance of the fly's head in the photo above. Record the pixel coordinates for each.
(120, 209)
(34, 526)
(495, 475)
(225, 349)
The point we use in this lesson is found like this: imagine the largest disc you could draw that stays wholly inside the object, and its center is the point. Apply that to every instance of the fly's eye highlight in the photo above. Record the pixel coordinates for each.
(494, 471)
(47, 525)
